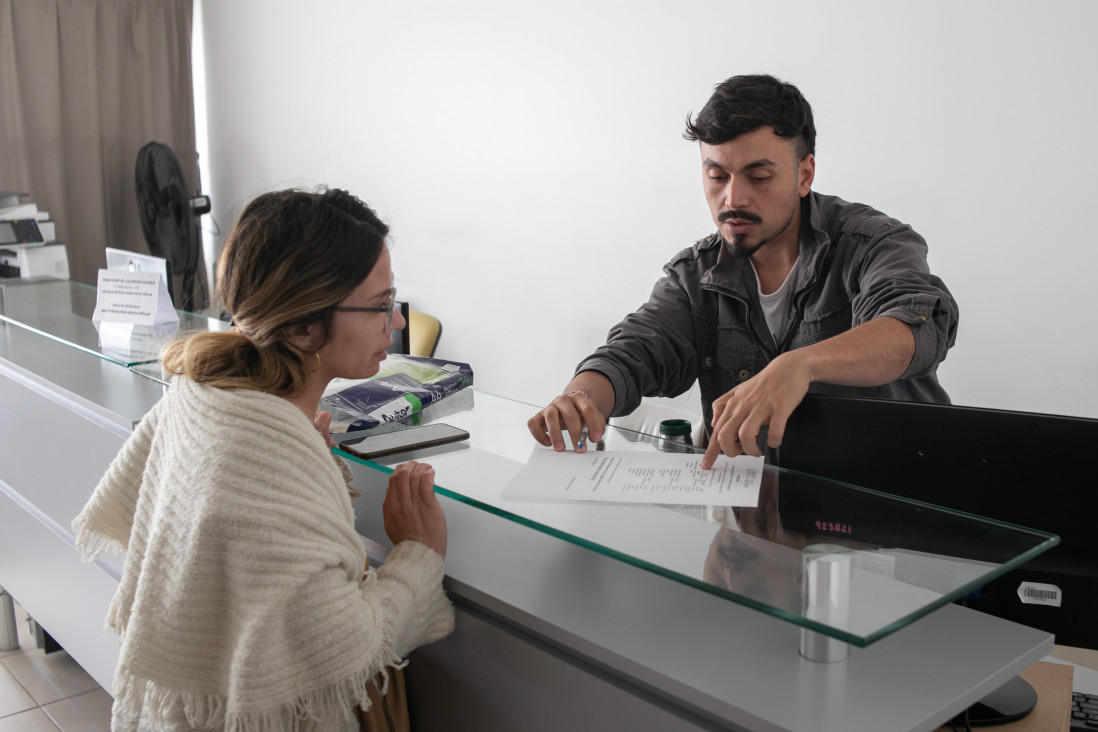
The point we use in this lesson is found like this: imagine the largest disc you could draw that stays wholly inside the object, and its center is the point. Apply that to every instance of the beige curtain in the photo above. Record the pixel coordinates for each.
(84, 84)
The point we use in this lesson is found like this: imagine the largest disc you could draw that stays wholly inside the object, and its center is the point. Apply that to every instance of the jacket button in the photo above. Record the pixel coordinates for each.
(708, 362)
(744, 375)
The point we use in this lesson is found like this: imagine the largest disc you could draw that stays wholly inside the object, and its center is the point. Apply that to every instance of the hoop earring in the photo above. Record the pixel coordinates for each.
(317, 354)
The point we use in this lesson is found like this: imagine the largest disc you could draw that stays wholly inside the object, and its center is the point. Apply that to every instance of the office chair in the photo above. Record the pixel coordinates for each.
(424, 332)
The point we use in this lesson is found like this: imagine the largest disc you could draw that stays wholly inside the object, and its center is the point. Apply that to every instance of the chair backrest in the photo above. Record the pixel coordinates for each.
(400, 337)
(424, 332)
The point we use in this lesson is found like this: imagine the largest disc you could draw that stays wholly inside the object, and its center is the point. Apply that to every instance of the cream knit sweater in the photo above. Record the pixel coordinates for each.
(243, 604)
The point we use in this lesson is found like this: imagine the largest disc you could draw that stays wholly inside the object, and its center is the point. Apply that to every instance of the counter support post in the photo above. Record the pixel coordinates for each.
(9, 634)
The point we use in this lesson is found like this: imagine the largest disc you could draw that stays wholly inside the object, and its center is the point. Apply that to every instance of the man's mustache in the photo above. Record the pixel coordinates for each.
(738, 214)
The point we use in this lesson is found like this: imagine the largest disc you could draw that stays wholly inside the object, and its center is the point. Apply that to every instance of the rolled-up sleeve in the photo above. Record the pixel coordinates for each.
(894, 280)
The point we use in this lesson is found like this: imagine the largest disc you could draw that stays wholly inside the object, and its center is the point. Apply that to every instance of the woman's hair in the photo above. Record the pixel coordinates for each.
(291, 257)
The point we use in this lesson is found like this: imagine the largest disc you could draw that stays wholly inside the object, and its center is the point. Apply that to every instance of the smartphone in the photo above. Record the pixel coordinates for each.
(428, 435)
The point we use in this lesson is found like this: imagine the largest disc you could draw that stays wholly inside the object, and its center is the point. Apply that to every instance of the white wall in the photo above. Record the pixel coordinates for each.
(529, 157)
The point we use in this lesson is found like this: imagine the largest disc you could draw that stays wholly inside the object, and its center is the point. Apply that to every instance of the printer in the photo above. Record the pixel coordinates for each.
(28, 246)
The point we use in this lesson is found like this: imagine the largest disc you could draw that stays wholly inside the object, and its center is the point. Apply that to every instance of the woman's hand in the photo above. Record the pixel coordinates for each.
(323, 423)
(411, 509)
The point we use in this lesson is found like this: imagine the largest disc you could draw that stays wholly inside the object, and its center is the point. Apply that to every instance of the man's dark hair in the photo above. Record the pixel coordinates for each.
(743, 104)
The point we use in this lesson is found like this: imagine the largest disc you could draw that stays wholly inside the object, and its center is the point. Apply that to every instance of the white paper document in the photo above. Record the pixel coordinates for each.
(638, 477)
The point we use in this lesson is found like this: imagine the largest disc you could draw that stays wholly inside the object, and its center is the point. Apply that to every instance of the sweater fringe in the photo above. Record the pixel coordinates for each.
(334, 703)
(91, 544)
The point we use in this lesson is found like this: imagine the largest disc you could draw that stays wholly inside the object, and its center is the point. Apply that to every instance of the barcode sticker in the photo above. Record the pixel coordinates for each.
(1035, 593)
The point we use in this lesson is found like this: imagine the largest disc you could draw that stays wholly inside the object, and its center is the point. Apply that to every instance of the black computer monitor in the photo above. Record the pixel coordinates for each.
(1022, 468)
(1032, 470)
(401, 344)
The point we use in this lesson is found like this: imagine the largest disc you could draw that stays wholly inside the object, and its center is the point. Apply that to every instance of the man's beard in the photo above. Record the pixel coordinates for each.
(740, 249)
(739, 246)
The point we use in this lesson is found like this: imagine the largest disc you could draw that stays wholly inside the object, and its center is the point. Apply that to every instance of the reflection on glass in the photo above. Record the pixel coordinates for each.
(755, 553)
(856, 561)
(134, 343)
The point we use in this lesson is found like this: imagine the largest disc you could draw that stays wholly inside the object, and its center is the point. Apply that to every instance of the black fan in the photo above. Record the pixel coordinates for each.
(169, 214)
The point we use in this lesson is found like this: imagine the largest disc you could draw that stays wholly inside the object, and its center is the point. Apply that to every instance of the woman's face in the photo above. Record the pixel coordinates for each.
(358, 341)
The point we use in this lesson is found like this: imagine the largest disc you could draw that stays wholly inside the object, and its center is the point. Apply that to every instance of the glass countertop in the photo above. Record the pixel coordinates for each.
(62, 310)
(903, 559)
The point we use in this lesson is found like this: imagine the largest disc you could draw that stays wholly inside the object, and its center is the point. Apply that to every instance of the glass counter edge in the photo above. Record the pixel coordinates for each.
(854, 639)
(965, 589)
(627, 559)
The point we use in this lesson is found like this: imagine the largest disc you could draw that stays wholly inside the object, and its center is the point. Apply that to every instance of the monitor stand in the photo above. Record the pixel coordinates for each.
(1011, 701)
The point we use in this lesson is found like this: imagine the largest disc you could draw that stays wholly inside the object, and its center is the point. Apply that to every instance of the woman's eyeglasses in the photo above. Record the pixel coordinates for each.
(388, 309)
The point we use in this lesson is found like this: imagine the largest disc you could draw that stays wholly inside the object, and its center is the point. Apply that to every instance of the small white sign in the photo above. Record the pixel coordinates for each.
(139, 298)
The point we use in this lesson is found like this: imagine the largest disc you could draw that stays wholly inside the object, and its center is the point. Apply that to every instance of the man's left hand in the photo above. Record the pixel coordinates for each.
(767, 399)
(873, 353)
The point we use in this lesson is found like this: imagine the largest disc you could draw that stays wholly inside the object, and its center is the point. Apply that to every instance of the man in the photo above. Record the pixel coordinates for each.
(795, 292)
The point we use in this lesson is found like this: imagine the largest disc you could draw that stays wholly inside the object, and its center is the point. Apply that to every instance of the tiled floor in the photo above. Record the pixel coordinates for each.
(42, 692)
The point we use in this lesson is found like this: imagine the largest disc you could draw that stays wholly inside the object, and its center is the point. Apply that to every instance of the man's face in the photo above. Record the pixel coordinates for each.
(754, 186)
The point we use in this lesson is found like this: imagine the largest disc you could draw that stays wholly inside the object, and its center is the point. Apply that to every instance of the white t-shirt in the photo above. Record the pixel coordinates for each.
(776, 305)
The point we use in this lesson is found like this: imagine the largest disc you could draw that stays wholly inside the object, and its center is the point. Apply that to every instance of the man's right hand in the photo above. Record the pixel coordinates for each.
(570, 412)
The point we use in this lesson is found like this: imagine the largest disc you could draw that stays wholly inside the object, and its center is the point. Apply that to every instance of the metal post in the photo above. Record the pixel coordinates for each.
(9, 634)
(827, 577)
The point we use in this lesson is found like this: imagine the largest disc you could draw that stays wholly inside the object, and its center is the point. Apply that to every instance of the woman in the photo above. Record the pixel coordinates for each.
(243, 603)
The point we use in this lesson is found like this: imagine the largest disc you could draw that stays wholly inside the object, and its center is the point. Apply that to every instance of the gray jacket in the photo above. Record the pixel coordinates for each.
(704, 322)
